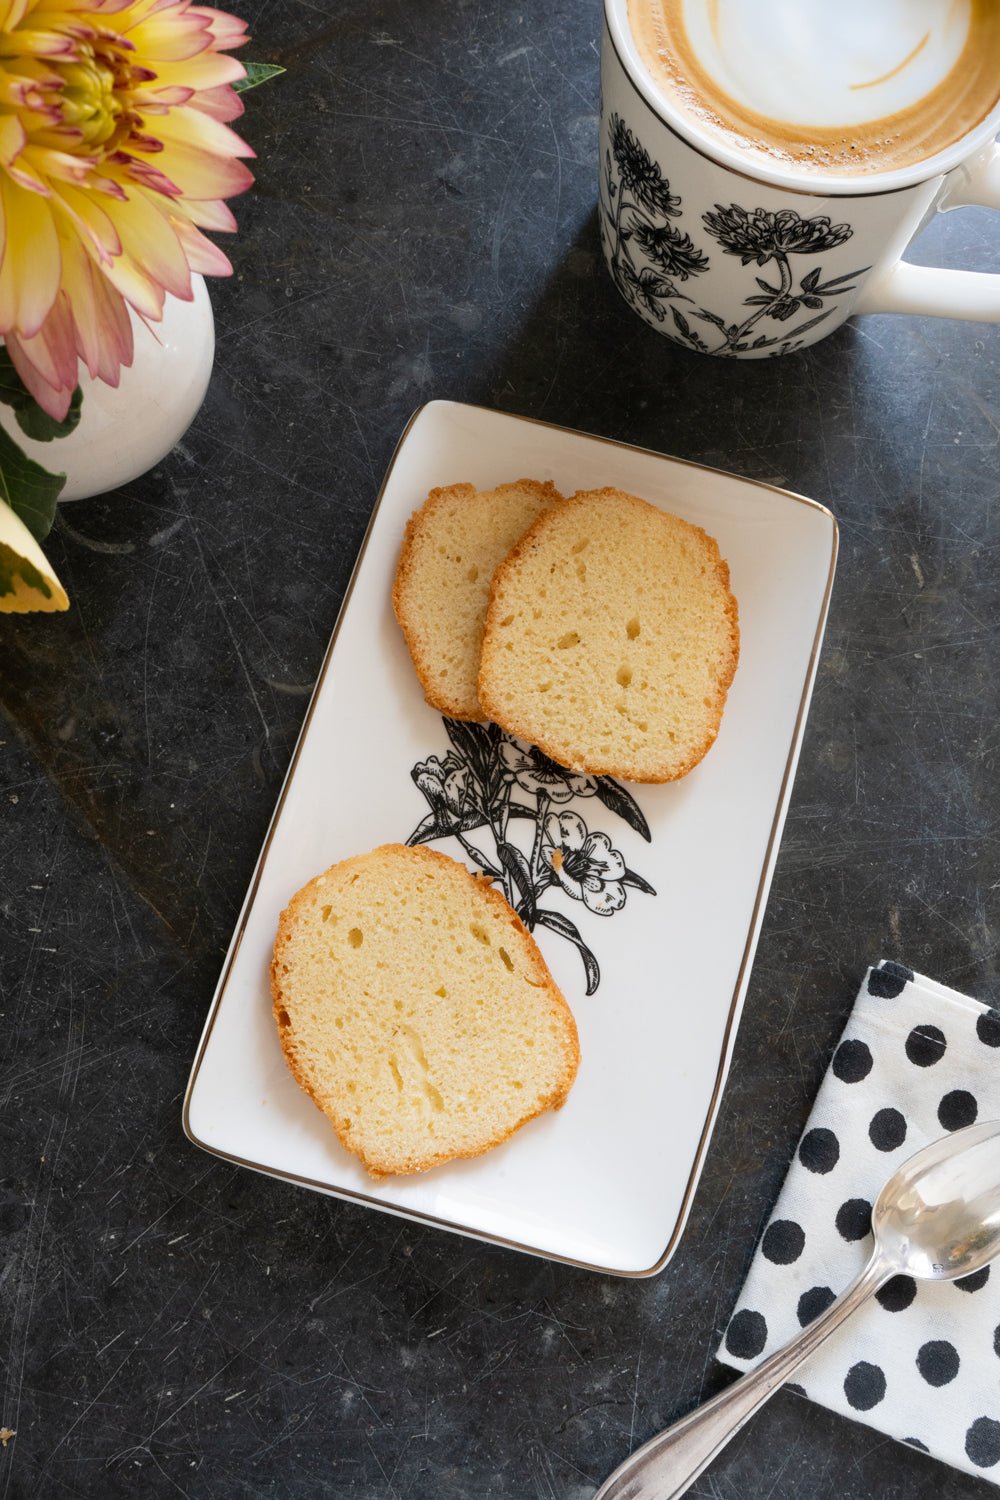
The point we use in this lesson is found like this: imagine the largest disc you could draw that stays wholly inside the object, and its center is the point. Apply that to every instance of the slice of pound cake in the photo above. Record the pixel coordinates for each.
(452, 547)
(415, 1009)
(611, 638)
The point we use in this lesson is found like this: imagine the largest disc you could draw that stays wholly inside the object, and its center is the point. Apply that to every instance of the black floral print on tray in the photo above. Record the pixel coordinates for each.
(509, 806)
(649, 256)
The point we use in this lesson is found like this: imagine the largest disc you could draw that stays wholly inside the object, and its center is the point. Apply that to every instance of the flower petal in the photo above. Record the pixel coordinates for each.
(196, 172)
(170, 39)
(115, 155)
(12, 138)
(582, 786)
(103, 326)
(227, 30)
(12, 13)
(602, 859)
(201, 255)
(551, 833)
(572, 830)
(223, 103)
(190, 127)
(572, 887)
(207, 213)
(454, 789)
(206, 71)
(29, 271)
(605, 902)
(47, 361)
(513, 756)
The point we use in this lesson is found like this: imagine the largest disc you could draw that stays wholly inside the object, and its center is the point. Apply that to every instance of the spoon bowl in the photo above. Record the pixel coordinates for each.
(937, 1218)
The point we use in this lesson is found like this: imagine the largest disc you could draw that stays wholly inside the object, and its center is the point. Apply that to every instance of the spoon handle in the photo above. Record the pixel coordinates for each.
(665, 1466)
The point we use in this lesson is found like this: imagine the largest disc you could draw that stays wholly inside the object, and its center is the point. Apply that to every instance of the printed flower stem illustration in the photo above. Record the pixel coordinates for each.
(486, 781)
(763, 236)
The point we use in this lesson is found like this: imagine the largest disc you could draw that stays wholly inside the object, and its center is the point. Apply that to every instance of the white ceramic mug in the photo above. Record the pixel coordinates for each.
(747, 258)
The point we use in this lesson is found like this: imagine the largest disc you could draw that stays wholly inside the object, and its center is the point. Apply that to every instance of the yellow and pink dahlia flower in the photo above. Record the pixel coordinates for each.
(115, 153)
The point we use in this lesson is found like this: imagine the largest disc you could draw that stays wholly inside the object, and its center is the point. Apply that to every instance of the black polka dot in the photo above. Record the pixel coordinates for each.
(938, 1361)
(958, 1109)
(747, 1334)
(897, 1294)
(888, 981)
(988, 1028)
(996, 1341)
(887, 1130)
(854, 1218)
(783, 1242)
(982, 1442)
(975, 1281)
(852, 1061)
(925, 1046)
(816, 1300)
(819, 1150)
(916, 1443)
(864, 1386)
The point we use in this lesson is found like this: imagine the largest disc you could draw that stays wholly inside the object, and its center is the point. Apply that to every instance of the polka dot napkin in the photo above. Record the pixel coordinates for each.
(920, 1361)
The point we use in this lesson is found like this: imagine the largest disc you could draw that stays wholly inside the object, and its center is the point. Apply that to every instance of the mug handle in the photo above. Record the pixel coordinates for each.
(905, 288)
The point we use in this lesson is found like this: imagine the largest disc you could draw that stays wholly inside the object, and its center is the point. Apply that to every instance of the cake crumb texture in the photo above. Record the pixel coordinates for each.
(612, 638)
(416, 1010)
(452, 547)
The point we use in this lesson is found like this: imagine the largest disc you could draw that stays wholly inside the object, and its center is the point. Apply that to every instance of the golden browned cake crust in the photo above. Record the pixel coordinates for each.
(611, 638)
(416, 1010)
(452, 547)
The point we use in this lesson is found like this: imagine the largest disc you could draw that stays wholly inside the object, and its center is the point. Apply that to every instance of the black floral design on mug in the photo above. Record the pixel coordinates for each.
(764, 236)
(761, 237)
(647, 257)
(639, 174)
(488, 780)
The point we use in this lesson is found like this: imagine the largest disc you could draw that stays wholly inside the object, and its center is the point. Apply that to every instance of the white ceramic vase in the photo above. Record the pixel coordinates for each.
(125, 431)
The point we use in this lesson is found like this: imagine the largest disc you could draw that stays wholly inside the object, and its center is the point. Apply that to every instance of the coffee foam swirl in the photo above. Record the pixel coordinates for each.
(849, 87)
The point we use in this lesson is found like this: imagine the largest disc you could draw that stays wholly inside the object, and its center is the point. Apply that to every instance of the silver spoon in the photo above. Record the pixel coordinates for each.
(937, 1218)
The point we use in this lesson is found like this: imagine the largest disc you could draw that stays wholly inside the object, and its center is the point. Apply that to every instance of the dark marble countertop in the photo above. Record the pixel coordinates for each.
(424, 225)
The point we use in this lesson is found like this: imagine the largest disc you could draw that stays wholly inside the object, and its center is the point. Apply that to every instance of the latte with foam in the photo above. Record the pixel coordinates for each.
(848, 87)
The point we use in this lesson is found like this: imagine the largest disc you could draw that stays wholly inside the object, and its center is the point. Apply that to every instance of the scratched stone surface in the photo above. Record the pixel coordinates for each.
(423, 225)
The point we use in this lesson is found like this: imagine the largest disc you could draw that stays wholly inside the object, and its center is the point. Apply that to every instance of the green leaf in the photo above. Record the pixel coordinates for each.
(32, 420)
(27, 581)
(13, 565)
(257, 73)
(12, 389)
(29, 490)
(36, 423)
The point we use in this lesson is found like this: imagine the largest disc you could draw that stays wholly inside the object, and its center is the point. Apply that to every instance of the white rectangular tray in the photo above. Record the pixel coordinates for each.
(607, 1182)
